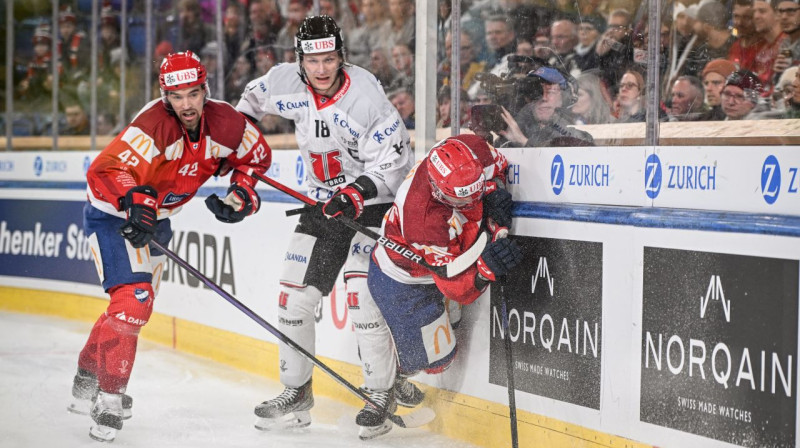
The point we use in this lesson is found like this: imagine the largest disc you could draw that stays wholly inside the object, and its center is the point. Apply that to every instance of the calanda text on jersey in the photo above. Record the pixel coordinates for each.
(155, 150)
(355, 132)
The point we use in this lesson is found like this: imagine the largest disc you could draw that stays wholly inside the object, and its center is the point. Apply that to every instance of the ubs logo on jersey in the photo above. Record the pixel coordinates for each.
(172, 198)
(299, 170)
(652, 176)
(557, 174)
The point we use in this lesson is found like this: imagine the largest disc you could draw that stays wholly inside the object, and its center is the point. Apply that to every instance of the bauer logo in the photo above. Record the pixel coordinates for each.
(557, 174)
(771, 179)
(554, 321)
(299, 170)
(652, 176)
(719, 344)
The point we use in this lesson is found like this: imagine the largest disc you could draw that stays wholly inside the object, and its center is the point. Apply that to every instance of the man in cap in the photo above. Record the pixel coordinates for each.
(741, 94)
(714, 75)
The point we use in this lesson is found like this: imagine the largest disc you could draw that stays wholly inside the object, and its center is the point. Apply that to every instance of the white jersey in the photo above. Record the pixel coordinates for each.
(356, 132)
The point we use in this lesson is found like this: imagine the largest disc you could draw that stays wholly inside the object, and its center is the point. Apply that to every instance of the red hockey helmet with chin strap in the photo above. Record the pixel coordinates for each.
(180, 71)
(455, 174)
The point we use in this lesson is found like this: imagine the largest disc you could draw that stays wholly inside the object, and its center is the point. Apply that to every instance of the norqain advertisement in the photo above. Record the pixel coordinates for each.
(719, 342)
(555, 313)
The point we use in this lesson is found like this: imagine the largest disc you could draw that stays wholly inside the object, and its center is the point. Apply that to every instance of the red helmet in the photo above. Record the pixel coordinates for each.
(181, 70)
(455, 174)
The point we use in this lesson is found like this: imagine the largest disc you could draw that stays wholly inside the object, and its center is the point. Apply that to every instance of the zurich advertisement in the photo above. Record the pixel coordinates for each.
(554, 311)
(719, 345)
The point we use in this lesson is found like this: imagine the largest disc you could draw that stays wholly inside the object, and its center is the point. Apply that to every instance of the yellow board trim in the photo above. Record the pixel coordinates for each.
(477, 421)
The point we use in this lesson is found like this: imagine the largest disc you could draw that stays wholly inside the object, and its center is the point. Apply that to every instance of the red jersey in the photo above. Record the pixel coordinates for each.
(155, 150)
(435, 231)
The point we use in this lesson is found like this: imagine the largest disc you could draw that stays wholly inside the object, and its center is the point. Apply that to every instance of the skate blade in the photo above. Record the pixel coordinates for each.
(80, 407)
(371, 432)
(126, 414)
(294, 420)
(102, 433)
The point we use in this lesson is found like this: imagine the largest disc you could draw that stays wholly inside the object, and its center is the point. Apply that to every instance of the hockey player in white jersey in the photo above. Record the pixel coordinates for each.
(357, 153)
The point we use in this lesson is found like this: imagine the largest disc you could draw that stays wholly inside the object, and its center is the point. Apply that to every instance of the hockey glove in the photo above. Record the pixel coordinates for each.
(241, 201)
(498, 258)
(140, 205)
(349, 201)
(497, 206)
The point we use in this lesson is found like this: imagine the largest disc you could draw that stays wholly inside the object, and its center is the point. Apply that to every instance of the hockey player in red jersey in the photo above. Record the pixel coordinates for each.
(144, 176)
(451, 196)
(357, 151)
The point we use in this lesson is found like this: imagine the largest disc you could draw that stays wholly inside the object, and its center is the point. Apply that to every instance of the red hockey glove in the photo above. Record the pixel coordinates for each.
(140, 205)
(241, 201)
(349, 201)
(498, 258)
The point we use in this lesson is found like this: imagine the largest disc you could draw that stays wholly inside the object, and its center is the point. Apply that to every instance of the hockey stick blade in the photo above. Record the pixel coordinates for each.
(414, 419)
(455, 267)
(417, 418)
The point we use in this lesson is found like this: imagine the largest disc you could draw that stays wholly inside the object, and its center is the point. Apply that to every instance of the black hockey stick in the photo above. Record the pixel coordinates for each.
(455, 267)
(512, 402)
(418, 417)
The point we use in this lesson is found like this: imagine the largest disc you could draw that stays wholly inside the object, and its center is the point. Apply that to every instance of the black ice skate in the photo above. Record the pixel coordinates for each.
(406, 393)
(84, 392)
(287, 410)
(107, 415)
(373, 421)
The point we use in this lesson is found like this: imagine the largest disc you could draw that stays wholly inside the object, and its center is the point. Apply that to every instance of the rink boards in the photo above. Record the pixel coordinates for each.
(637, 318)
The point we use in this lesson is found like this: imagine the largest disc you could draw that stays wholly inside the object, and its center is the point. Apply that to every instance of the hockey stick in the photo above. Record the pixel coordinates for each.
(455, 267)
(418, 417)
(512, 402)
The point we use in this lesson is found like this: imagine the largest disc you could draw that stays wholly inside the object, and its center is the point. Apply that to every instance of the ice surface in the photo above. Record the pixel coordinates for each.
(179, 400)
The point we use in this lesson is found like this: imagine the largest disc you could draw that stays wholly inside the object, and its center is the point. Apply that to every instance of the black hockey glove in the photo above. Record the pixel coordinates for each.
(498, 258)
(241, 201)
(140, 205)
(349, 201)
(497, 205)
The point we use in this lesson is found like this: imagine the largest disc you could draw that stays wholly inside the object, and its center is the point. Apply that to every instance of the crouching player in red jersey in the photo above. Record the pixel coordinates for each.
(144, 176)
(439, 212)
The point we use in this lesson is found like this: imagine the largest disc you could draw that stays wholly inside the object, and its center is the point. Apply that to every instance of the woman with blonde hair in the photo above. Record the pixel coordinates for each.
(593, 105)
(631, 97)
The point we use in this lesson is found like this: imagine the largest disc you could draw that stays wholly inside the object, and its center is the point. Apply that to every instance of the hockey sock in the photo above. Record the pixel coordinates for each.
(87, 360)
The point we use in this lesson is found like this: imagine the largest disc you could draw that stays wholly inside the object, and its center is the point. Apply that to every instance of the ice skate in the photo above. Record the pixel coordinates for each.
(107, 416)
(372, 421)
(406, 393)
(84, 392)
(287, 410)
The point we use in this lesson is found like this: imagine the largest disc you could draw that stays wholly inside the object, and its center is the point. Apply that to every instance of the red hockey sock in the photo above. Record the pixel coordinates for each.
(87, 360)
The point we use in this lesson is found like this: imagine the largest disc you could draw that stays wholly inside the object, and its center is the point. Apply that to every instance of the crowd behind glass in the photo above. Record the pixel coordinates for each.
(548, 64)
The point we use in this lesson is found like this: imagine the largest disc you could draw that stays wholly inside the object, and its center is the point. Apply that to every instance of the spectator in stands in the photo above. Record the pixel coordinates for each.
(237, 79)
(683, 18)
(107, 124)
(541, 44)
(193, 33)
(589, 30)
(443, 106)
(631, 98)
(367, 36)
(789, 50)
(714, 40)
(769, 30)
(687, 103)
(524, 46)
(297, 11)
(543, 120)
(233, 30)
(73, 47)
(784, 90)
(793, 103)
(615, 48)
(380, 67)
(714, 75)
(401, 25)
(741, 95)
(209, 57)
(35, 90)
(469, 65)
(747, 44)
(593, 105)
(110, 39)
(161, 51)
(402, 99)
(403, 62)
(564, 37)
(500, 40)
(76, 118)
(266, 58)
(265, 23)
(343, 16)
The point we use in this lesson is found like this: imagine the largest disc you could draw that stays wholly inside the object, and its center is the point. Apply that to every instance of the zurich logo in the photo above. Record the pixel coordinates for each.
(771, 179)
(86, 162)
(299, 170)
(652, 176)
(38, 166)
(557, 174)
